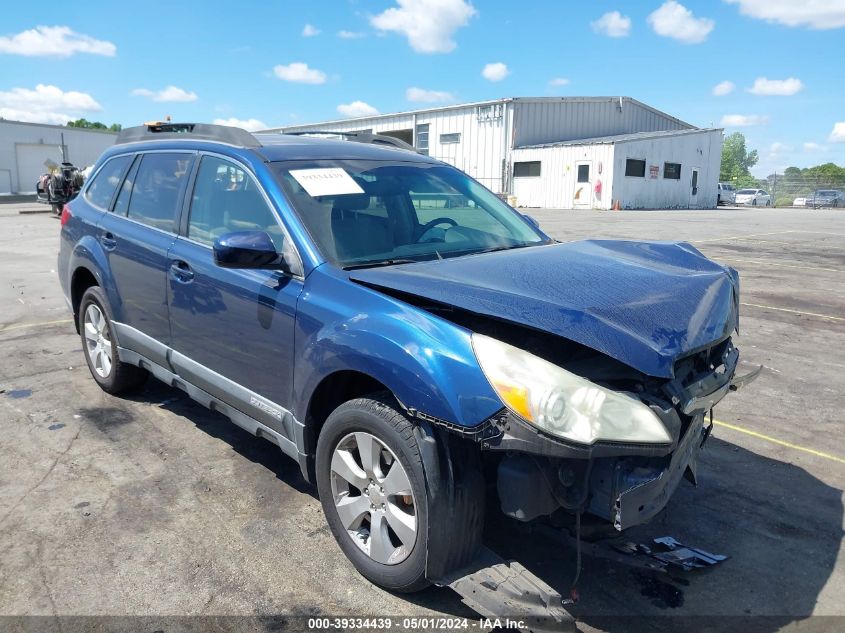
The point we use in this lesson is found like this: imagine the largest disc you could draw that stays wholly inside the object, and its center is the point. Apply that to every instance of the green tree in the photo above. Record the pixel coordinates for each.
(94, 125)
(737, 161)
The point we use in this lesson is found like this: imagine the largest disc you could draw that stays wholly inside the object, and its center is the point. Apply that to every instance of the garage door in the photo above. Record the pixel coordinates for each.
(31, 159)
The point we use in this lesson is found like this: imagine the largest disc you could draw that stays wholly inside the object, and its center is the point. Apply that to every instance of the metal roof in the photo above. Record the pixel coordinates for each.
(473, 104)
(623, 138)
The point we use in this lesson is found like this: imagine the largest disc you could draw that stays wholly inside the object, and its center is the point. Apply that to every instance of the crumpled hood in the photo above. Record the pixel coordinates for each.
(643, 303)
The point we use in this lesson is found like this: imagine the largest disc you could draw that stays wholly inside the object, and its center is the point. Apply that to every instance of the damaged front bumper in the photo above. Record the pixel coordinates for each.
(625, 484)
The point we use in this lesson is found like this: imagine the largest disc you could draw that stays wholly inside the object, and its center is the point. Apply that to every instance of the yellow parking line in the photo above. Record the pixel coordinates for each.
(775, 440)
(815, 314)
(22, 326)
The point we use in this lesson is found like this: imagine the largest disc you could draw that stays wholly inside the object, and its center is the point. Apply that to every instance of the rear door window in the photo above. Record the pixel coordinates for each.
(157, 189)
(101, 190)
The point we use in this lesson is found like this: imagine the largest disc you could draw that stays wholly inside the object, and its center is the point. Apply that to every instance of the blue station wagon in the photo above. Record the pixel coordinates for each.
(421, 349)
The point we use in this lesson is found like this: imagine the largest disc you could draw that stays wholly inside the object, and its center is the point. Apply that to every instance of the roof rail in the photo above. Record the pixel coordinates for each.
(159, 131)
(362, 137)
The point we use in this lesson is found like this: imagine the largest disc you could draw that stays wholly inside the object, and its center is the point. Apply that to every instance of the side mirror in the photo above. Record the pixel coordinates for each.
(532, 220)
(248, 249)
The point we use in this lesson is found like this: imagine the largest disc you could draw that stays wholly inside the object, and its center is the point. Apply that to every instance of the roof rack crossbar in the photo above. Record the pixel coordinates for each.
(362, 137)
(201, 131)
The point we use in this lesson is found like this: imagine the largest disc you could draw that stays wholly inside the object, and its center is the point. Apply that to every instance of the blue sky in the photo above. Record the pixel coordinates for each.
(295, 61)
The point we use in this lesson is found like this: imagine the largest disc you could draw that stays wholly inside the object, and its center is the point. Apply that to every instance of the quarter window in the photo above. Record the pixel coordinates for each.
(102, 188)
(158, 186)
(526, 169)
(672, 171)
(635, 168)
(227, 199)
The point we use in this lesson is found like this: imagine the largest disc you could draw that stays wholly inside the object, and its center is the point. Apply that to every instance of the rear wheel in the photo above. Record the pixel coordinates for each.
(100, 347)
(373, 491)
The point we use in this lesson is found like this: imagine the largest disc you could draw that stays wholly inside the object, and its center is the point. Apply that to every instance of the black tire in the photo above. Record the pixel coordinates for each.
(754, 202)
(122, 377)
(379, 416)
(768, 203)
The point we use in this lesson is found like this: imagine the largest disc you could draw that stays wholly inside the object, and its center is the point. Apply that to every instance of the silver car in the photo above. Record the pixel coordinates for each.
(753, 197)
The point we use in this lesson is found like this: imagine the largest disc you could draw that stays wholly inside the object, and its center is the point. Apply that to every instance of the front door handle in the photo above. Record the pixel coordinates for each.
(181, 271)
(108, 241)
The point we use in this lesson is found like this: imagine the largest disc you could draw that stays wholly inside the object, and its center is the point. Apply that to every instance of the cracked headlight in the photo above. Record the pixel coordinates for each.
(561, 403)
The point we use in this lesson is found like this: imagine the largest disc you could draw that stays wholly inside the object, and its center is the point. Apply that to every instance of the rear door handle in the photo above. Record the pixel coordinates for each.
(108, 241)
(181, 271)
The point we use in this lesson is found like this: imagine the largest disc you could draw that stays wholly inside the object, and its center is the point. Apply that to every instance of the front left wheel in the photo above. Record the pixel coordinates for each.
(372, 487)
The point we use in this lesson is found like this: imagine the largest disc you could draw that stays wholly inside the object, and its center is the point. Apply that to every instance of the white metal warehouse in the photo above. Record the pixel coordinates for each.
(674, 169)
(545, 150)
(26, 147)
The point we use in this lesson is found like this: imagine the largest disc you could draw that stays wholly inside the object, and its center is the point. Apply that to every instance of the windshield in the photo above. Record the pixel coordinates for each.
(366, 212)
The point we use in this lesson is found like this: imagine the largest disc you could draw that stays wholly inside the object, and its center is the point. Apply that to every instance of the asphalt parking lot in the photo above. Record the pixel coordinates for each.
(155, 506)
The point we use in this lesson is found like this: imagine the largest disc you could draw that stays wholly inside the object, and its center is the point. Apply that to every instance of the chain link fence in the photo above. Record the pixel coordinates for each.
(800, 190)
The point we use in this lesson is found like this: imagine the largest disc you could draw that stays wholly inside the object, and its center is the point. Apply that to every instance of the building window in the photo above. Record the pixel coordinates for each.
(422, 138)
(583, 173)
(672, 171)
(446, 139)
(635, 168)
(528, 169)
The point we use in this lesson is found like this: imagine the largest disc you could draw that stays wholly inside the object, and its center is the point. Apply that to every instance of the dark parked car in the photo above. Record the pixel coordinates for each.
(414, 354)
(826, 198)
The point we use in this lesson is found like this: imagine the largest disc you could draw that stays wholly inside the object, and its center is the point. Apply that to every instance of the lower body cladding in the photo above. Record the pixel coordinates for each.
(625, 490)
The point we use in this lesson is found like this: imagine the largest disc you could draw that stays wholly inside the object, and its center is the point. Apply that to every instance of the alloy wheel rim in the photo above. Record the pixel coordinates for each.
(97, 340)
(374, 498)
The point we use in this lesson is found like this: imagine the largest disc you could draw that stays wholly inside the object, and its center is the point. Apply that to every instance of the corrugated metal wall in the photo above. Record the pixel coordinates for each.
(479, 153)
(700, 151)
(543, 121)
(557, 187)
(19, 149)
(486, 148)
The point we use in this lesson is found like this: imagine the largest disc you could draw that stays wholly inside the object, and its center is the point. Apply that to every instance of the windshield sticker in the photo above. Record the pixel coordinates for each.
(326, 181)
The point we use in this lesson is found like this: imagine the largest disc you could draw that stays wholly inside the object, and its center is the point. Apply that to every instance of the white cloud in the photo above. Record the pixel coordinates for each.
(300, 73)
(676, 21)
(838, 133)
(613, 24)
(815, 14)
(428, 24)
(171, 94)
(776, 87)
(421, 95)
(558, 81)
(723, 88)
(309, 30)
(813, 147)
(743, 120)
(356, 109)
(350, 35)
(495, 72)
(777, 148)
(45, 104)
(54, 41)
(248, 124)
